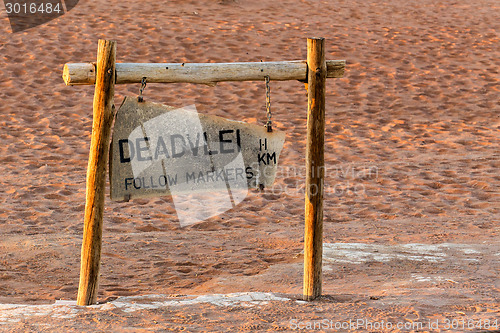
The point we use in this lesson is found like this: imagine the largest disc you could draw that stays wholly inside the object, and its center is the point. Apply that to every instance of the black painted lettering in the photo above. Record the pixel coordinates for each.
(161, 148)
(229, 174)
(141, 149)
(263, 144)
(173, 180)
(220, 175)
(153, 184)
(162, 180)
(137, 183)
(238, 140)
(271, 158)
(128, 182)
(210, 176)
(190, 176)
(260, 158)
(201, 178)
(222, 142)
(144, 183)
(239, 173)
(131, 152)
(175, 153)
(207, 151)
(249, 172)
(195, 147)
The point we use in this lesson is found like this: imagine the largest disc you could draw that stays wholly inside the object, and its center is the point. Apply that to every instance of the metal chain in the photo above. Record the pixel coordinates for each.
(269, 123)
(143, 86)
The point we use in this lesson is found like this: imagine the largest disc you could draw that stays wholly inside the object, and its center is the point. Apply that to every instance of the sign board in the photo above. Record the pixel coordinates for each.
(158, 150)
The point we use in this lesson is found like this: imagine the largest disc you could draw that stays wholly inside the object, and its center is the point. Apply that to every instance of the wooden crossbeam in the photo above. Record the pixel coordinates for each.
(208, 73)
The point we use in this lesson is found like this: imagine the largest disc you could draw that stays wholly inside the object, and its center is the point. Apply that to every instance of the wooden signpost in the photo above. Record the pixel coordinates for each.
(105, 73)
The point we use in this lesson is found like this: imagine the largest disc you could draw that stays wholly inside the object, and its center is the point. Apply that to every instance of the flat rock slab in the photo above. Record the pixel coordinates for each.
(158, 150)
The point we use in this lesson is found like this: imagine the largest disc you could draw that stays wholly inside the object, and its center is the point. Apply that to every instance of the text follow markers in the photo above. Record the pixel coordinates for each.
(158, 150)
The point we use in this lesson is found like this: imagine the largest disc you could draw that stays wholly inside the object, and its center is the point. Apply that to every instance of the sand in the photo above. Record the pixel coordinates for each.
(411, 218)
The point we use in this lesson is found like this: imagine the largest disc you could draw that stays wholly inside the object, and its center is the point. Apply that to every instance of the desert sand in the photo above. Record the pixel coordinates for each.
(411, 216)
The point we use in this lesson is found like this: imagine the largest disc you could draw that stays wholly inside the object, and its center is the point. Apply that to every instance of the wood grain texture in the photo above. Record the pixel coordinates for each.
(209, 73)
(315, 161)
(96, 172)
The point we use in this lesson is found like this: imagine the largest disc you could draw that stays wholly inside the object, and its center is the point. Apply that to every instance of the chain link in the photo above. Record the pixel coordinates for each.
(269, 123)
(143, 86)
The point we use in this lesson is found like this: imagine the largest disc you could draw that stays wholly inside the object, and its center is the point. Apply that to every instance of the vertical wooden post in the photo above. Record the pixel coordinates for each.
(315, 161)
(96, 172)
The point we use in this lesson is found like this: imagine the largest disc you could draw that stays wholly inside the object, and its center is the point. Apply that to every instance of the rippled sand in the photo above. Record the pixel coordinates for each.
(412, 157)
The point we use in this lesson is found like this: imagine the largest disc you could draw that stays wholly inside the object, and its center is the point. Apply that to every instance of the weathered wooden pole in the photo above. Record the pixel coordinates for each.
(96, 172)
(315, 173)
(205, 73)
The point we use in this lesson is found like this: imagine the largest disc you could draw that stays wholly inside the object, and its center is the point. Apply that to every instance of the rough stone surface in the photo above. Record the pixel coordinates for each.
(159, 150)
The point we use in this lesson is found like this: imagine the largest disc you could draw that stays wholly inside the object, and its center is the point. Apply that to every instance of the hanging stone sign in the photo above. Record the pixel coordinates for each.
(158, 150)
